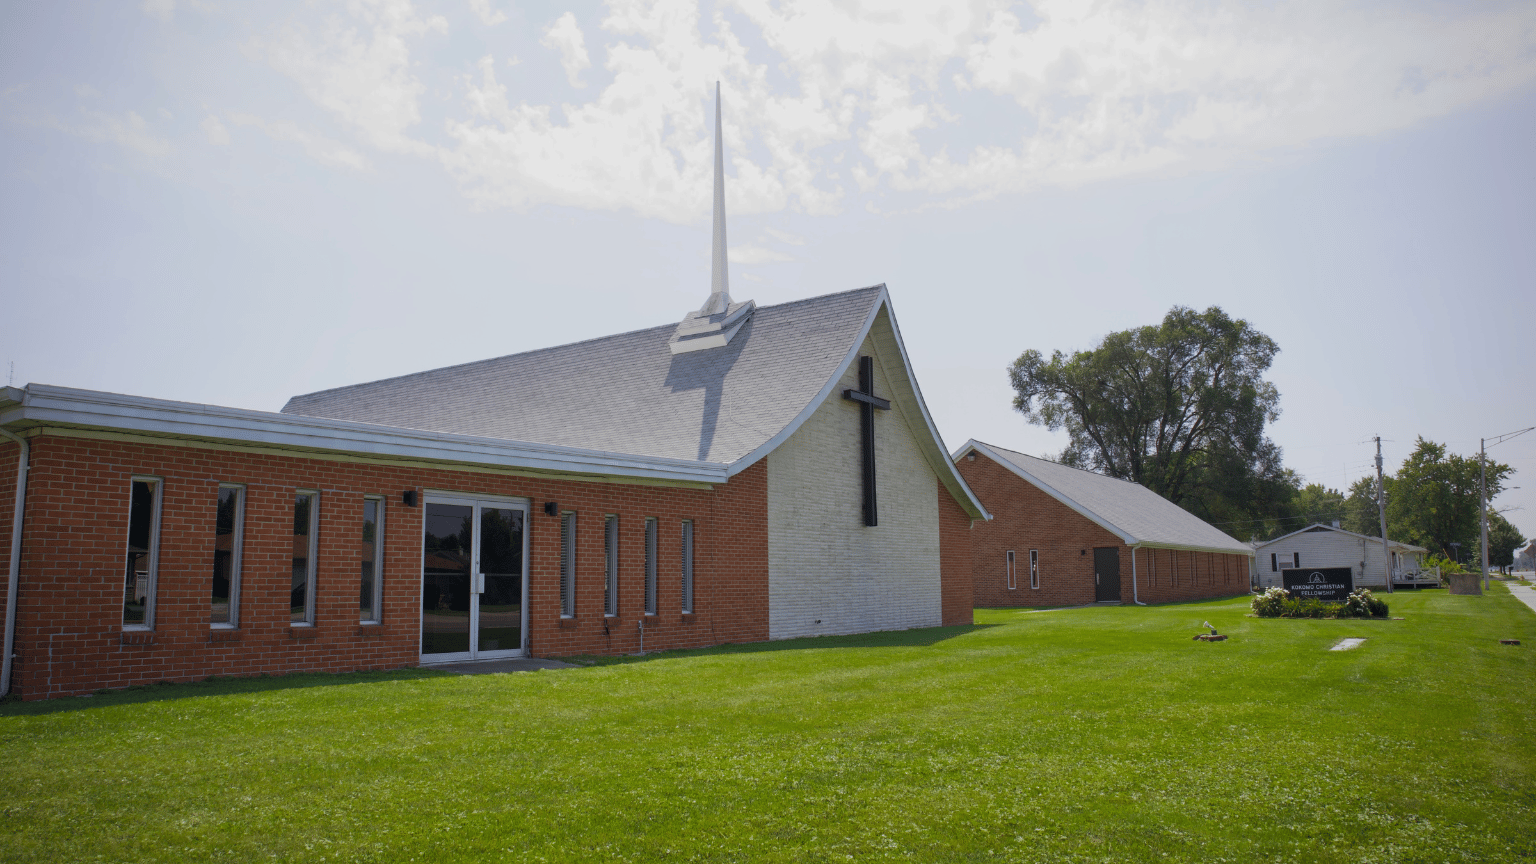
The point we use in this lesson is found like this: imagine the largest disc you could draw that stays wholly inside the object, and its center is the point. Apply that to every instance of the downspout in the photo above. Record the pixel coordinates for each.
(22, 460)
(1135, 597)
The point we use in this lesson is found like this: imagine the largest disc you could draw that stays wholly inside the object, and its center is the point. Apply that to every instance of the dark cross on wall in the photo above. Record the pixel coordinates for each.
(868, 402)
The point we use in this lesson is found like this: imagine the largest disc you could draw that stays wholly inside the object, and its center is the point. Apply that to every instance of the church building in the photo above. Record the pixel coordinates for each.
(748, 473)
(1061, 536)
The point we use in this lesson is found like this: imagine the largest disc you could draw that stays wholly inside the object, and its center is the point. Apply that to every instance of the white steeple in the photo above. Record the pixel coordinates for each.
(719, 271)
(719, 318)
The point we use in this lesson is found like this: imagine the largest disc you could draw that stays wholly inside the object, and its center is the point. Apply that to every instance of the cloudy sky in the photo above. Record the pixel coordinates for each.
(233, 203)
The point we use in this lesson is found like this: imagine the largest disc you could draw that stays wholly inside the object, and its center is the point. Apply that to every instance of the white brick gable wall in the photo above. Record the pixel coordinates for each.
(827, 572)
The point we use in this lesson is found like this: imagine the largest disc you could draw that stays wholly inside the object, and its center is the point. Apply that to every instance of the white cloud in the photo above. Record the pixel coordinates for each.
(905, 105)
(488, 16)
(324, 150)
(785, 237)
(565, 36)
(215, 130)
(129, 131)
(754, 254)
(361, 74)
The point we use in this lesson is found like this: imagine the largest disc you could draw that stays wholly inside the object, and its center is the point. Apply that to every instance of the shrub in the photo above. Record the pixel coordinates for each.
(1271, 603)
(1363, 604)
(1278, 603)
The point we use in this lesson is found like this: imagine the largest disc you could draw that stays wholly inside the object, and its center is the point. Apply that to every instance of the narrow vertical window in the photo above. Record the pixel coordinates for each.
(1296, 560)
(143, 553)
(228, 529)
(610, 565)
(567, 565)
(650, 566)
(687, 566)
(1274, 563)
(301, 592)
(370, 598)
(1034, 568)
(1012, 579)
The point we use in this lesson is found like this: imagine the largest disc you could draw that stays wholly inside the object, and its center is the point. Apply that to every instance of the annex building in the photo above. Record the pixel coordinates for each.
(748, 473)
(1062, 536)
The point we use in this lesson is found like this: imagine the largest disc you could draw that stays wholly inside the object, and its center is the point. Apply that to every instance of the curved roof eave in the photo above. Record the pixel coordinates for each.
(931, 444)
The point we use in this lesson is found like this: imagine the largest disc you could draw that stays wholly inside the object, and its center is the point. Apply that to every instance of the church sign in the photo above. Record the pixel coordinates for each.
(1330, 584)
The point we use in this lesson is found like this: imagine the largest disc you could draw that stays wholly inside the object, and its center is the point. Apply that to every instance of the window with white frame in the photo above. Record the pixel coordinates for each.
(228, 530)
(650, 566)
(143, 559)
(568, 564)
(1296, 560)
(370, 595)
(1274, 563)
(306, 533)
(1034, 568)
(1012, 579)
(687, 568)
(610, 565)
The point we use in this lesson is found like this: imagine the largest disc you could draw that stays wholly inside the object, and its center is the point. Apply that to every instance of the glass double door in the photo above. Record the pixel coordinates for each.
(473, 579)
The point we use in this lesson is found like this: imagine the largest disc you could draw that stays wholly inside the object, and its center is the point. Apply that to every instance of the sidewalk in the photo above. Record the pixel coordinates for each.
(1528, 595)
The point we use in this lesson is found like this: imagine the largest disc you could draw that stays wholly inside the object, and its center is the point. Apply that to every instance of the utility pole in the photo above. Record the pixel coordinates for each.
(1381, 507)
(1482, 503)
(1482, 490)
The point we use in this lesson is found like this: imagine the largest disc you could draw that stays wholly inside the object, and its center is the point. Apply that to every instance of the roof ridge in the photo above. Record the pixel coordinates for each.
(1068, 467)
(535, 351)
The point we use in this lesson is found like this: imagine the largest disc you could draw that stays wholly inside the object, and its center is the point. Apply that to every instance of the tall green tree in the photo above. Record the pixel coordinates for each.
(1503, 539)
(1179, 407)
(1361, 514)
(1433, 500)
(1317, 503)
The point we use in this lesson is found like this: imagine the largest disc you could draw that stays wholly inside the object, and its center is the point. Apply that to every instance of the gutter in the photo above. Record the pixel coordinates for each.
(23, 459)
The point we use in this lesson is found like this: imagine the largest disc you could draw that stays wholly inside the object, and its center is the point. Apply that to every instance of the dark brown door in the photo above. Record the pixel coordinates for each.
(1106, 573)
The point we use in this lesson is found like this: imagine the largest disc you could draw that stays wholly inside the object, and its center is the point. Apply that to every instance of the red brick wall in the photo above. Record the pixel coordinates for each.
(70, 637)
(1026, 518)
(954, 561)
(1166, 575)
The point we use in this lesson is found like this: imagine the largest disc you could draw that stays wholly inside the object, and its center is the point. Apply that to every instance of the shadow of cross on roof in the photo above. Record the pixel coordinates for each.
(707, 371)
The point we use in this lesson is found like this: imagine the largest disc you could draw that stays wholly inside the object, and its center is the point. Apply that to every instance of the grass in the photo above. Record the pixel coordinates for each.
(1101, 734)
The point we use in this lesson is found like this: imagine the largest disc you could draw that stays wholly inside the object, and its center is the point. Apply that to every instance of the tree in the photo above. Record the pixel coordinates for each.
(1433, 500)
(1360, 512)
(1503, 539)
(1179, 408)
(1316, 503)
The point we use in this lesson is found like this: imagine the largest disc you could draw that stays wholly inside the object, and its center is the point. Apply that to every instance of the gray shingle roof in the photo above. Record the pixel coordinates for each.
(628, 393)
(1136, 513)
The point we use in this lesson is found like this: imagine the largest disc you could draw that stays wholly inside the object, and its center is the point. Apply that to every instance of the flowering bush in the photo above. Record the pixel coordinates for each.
(1278, 603)
(1271, 603)
(1361, 603)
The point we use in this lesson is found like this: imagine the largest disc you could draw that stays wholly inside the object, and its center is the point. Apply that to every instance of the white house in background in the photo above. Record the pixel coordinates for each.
(1328, 546)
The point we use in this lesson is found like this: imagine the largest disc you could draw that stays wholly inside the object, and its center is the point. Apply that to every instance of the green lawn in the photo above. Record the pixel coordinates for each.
(1074, 735)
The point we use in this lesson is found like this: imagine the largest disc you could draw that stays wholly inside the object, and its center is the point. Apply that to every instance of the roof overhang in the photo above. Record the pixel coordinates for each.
(48, 406)
(974, 446)
(1395, 544)
(898, 367)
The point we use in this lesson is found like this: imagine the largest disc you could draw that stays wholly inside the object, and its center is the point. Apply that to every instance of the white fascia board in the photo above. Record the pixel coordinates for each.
(61, 405)
(1048, 489)
(1396, 544)
(976, 446)
(942, 453)
(882, 301)
(1191, 547)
